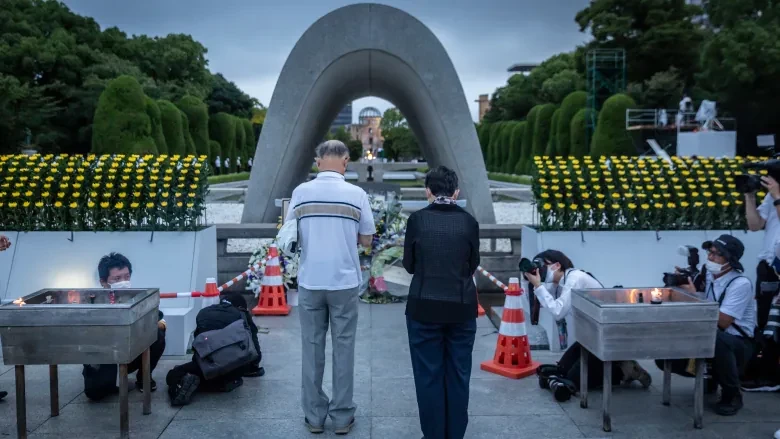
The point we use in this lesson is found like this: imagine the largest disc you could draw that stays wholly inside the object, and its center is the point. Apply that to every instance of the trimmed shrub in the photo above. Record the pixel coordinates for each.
(515, 146)
(542, 129)
(571, 105)
(121, 124)
(222, 128)
(524, 165)
(240, 144)
(153, 111)
(506, 147)
(189, 144)
(483, 133)
(552, 143)
(249, 135)
(611, 137)
(198, 115)
(577, 134)
(495, 134)
(172, 127)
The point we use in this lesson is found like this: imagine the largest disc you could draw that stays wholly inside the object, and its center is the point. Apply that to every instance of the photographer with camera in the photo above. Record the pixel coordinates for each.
(734, 343)
(553, 277)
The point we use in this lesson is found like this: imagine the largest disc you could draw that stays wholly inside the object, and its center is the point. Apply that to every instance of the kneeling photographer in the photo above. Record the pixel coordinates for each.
(553, 277)
(726, 285)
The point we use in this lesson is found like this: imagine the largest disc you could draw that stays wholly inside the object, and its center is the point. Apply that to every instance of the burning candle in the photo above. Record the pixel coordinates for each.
(656, 296)
(19, 302)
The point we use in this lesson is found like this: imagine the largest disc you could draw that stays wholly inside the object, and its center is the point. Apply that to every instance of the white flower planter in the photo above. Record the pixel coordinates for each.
(170, 261)
(630, 258)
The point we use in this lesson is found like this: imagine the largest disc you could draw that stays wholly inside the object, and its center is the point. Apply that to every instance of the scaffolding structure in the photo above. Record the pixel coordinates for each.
(606, 76)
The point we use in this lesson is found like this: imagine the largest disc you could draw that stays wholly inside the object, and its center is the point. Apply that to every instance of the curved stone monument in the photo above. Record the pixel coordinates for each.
(356, 51)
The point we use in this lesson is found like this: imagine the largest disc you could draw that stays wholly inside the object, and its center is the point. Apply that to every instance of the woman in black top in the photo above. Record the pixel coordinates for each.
(441, 250)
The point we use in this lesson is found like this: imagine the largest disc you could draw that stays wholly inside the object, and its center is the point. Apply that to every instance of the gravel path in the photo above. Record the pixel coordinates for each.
(225, 213)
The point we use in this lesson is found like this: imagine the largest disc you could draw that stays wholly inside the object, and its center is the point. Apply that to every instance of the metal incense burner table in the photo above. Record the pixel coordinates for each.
(80, 326)
(614, 326)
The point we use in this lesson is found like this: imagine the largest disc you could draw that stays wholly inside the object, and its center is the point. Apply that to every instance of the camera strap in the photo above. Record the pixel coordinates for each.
(720, 303)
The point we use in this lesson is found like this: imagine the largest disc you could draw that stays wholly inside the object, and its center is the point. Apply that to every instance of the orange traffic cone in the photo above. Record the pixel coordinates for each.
(211, 288)
(513, 353)
(272, 301)
(480, 310)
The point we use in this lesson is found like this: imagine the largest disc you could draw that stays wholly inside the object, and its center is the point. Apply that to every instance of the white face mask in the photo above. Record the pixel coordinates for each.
(120, 285)
(550, 276)
(714, 267)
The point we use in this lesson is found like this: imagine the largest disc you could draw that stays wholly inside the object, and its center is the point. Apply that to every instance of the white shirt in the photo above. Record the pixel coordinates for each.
(739, 302)
(331, 213)
(768, 212)
(560, 304)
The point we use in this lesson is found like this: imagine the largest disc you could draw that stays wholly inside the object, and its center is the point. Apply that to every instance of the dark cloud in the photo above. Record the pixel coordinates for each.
(249, 40)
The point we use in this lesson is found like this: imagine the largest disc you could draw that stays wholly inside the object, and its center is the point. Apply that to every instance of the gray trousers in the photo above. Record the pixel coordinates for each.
(317, 308)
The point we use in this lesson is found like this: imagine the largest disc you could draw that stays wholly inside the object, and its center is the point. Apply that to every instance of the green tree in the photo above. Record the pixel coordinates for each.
(153, 111)
(355, 149)
(516, 146)
(226, 97)
(24, 108)
(121, 124)
(198, 118)
(524, 165)
(541, 132)
(215, 150)
(172, 127)
(249, 136)
(493, 147)
(578, 133)
(222, 128)
(662, 90)
(483, 134)
(189, 143)
(399, 140)
(611, 137)
(571, 105)
(555, 78)
(506, 147)
(513, 101)
(240, 143)
(552, 141)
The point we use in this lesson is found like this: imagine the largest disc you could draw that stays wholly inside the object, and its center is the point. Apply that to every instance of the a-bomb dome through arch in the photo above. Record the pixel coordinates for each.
(368, 113)
(352, 52)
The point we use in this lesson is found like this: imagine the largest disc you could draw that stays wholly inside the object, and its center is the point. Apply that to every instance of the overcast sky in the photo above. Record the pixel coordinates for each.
(249, 40)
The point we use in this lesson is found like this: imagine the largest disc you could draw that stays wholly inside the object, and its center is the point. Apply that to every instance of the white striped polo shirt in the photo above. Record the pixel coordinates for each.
(331, 214)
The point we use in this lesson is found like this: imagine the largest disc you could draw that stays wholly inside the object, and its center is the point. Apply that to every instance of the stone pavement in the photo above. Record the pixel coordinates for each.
(268, 407)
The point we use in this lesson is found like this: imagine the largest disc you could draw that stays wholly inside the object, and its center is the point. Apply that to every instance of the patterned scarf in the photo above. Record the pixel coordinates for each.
(444, 200)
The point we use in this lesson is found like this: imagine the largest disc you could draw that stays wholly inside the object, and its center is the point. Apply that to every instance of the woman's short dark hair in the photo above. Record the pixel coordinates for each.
(111, 261)
(553, 256)
(441, 181)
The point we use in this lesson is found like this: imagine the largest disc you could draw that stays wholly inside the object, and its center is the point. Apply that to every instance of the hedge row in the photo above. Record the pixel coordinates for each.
(509, 147)
(129, 122)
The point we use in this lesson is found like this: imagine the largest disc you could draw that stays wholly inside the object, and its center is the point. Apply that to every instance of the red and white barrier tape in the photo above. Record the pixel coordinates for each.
(492, 278)
(181, 295)
(255, 267)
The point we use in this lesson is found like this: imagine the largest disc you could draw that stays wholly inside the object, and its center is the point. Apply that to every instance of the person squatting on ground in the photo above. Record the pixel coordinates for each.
(115, 272)
(186, 379)
(332, 216)
(734, 343)
(441, 250)
(553, 285)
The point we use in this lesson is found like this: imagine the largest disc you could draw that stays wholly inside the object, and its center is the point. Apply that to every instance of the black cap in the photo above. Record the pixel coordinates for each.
(730, 247)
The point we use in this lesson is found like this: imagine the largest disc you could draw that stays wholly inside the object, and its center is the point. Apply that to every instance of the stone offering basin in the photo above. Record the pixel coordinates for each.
(613, 325)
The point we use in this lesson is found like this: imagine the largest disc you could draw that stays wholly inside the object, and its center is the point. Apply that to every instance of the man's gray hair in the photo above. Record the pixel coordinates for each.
(332, 148)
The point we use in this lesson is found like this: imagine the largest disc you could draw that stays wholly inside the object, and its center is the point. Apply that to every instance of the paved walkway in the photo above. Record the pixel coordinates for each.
(269, 407)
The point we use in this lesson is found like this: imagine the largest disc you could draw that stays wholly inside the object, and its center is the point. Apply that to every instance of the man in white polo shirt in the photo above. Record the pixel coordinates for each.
(333, 216)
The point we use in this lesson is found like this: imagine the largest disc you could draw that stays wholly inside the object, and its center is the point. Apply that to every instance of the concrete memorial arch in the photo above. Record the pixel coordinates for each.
(356, 51)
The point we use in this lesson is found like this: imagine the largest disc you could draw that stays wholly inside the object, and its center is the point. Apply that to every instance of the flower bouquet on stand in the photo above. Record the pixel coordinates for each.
(289, 268)
(386, 249)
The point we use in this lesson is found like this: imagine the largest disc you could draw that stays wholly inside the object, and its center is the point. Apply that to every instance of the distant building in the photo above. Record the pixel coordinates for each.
(484, 105)
(522, 68)
(343, 119)
(367, 130)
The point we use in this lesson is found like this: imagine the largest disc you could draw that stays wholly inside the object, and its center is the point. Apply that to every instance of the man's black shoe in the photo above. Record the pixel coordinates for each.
(729, 405)
(182, 393)
(255, 372)
(140, 385)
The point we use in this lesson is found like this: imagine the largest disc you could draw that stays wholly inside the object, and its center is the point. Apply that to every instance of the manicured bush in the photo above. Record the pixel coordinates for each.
(552, 142)
(542, 129)
(573, 103)
(153, 111)
(515, 146)
(577, 134)
(483, 133)
(121, 124)
(611, 137)
(240, 143)
(172, 127)
(506, 147)
(524, 165)
(222, 128)
(198, 115)
(492, 151)
(189, 144)
(249, 135)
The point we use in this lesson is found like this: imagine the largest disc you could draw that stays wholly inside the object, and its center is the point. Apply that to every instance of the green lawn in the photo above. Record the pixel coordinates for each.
(510, 178)
(228, 178)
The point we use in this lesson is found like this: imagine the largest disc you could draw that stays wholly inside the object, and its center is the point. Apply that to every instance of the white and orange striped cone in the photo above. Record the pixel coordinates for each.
(272, 301)
(480, 310)
(513, 353)
(211, 288)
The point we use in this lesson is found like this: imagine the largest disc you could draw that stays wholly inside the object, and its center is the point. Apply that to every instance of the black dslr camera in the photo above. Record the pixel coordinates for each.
(537, 265)
(691, 271)
(747, 183)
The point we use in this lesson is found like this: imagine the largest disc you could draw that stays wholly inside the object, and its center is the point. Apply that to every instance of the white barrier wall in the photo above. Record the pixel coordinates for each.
(170, 261)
